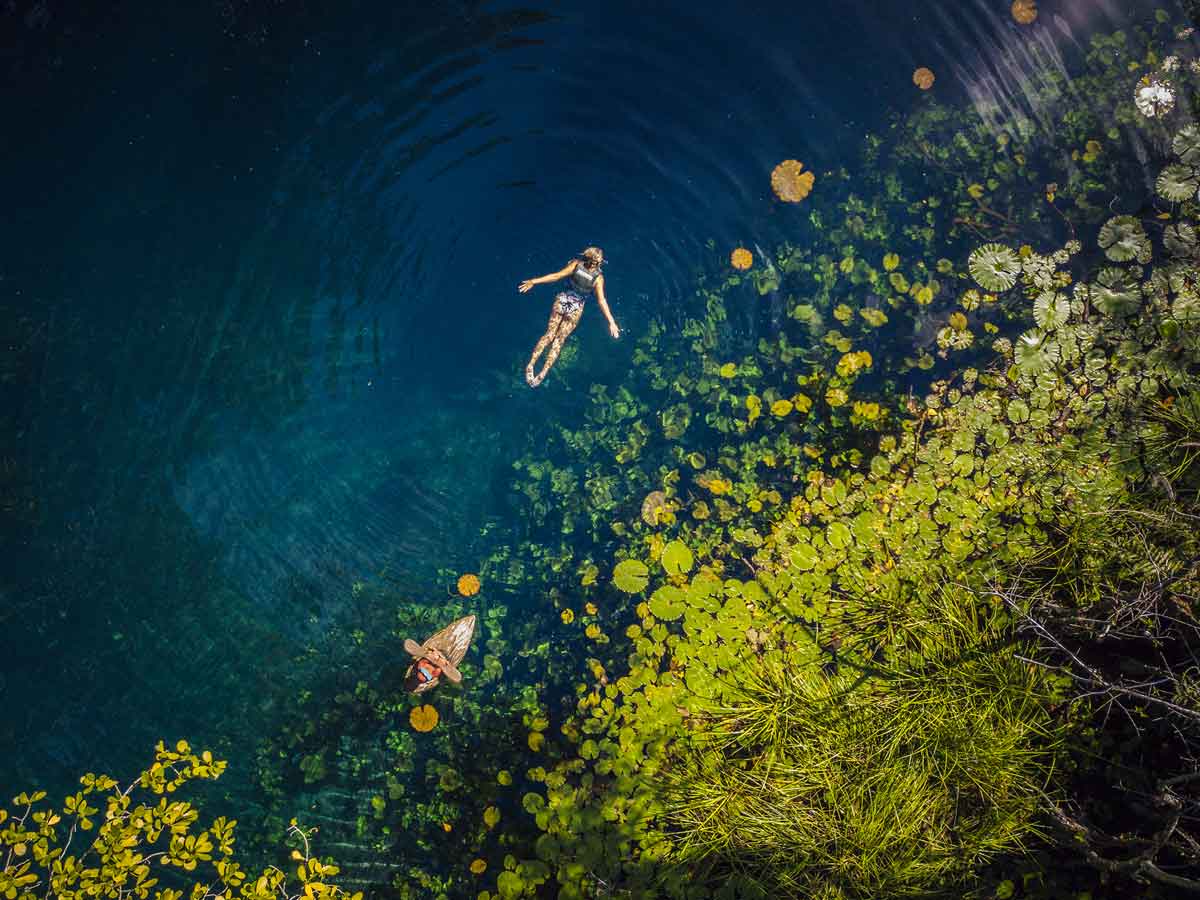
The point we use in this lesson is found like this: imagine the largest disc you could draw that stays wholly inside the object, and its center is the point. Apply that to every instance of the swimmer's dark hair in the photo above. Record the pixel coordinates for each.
(412, 680)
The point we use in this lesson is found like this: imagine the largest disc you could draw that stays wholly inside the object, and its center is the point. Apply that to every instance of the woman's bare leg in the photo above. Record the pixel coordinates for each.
(556, 320)
(566, 326)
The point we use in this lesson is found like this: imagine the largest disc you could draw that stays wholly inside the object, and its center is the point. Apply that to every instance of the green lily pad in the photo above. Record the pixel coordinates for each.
(1018, 411)
(1035, 352)
(1122, 238)
(994, 267)
(668, 603)
(1050, 310)
(631, 576)
(1186, 145)
(1180, 239)
(1186, 309)
(1177, 183)
(804, 556)
(839, 536)
(510, 886)
(1115, 293)
(677, 558)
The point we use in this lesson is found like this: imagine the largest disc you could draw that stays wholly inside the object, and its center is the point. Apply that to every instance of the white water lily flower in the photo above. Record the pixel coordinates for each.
(1154, 98)
(1170, 64)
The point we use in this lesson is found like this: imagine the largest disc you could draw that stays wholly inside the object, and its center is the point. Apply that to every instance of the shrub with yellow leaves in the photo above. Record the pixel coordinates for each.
(128, 849)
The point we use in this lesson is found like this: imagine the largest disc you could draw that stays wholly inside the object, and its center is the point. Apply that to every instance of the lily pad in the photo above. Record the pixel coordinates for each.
(1050, 310)
(804, 556)
(994, 267)
(838, 536)
(1018, 411)
(1122, 238)
(1177, 183)
(652, 506)
(631, 576)
(1186, 145)
(1035, 352)
(509, 886)
(677, 558)
(1180, 239)
(1115, 293)
(668, 603)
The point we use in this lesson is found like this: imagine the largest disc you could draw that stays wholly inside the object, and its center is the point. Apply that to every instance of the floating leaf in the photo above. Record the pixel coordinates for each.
(677, 558)
(1186, 145)
(1122, 238)
(1177, 183)
(668, 603)
(838, 535)
(652, 507)
(631, 576)
(1186, 308)
(804, 556)
(994, 267)
(1050, 310)
(1035, 352)
(1180, 239)
(423, 718)
(1115, 294)
(510, 886)
(1018, 411)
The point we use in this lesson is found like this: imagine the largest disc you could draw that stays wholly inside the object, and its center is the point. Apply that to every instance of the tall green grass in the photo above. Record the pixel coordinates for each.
(878, 783)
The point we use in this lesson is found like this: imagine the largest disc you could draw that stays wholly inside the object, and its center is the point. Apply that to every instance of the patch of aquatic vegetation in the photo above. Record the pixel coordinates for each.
(825, 699)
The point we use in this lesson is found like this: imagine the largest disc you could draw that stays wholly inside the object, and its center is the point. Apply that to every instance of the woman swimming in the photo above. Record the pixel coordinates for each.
(585, 276)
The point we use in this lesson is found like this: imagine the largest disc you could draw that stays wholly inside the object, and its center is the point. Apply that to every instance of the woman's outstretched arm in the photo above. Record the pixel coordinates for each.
(526, 285)
(612, 323)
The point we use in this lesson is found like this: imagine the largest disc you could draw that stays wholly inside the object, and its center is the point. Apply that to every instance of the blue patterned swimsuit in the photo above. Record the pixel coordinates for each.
(583, 281)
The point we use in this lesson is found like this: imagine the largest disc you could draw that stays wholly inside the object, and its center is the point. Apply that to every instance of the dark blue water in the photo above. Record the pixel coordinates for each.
(261, 338)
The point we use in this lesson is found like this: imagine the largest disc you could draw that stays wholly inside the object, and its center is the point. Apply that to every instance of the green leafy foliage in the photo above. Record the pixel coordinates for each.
(143, 833)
